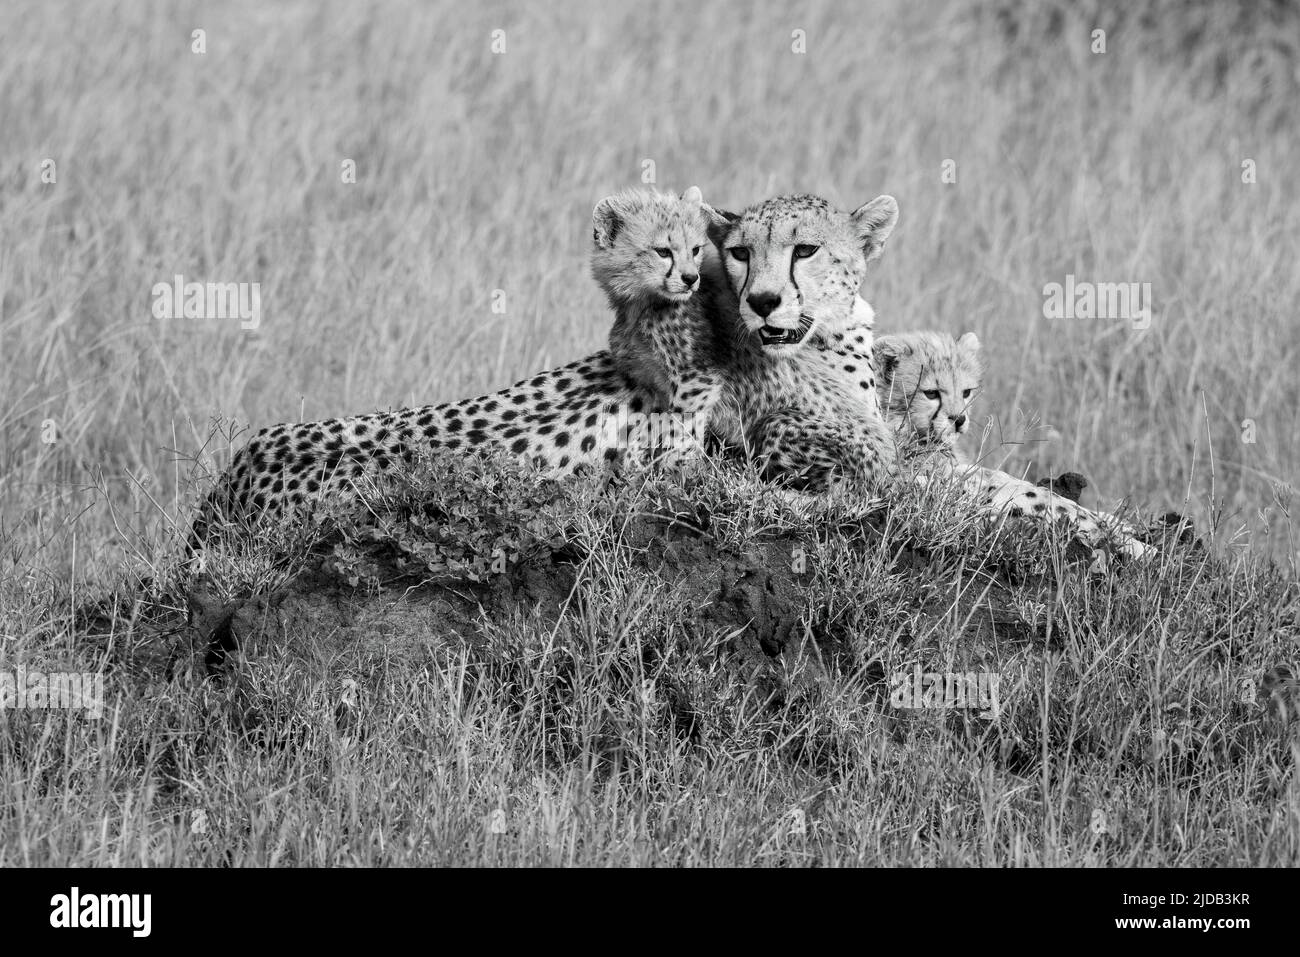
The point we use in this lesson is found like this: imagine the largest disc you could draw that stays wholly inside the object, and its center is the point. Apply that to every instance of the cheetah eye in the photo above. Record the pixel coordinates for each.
(932, 394)
(696, 251)
(664, 252)
(739, 253)
(965, 393)
(804, 250)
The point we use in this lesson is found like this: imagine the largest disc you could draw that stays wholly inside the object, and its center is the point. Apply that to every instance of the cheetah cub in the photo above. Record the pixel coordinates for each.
(926, 382)
(646, 252)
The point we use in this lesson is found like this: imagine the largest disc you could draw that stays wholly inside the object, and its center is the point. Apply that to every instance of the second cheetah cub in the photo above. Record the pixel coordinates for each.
(926, 382)
(646, 255)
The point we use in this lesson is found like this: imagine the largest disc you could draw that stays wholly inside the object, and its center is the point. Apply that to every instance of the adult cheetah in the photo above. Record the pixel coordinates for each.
(560, 419)
(800, 393)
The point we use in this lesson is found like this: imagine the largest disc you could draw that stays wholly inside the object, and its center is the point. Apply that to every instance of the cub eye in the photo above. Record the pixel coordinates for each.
(739, 253)
(932, 394)
(664, 252)
(803, 250)
(965, 393)
(696, 251)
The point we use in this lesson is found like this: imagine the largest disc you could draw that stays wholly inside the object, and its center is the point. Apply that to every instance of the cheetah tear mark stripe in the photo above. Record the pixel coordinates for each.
(793, 281)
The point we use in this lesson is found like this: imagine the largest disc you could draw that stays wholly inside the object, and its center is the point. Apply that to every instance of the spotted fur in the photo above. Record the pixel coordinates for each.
(799, 389)
(559, 420)
(1004, 495)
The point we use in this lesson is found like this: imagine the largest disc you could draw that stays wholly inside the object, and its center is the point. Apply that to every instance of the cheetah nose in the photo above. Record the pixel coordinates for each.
(958, 422)
(688, 279)
(764, 302)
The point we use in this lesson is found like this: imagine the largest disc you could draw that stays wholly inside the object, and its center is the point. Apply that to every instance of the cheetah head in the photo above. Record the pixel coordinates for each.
(648, 245)
(796, 263)
(927, 382)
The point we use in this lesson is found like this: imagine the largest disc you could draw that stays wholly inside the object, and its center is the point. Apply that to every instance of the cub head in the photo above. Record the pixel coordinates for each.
(795, 263)
(648, 245)
(927, 382)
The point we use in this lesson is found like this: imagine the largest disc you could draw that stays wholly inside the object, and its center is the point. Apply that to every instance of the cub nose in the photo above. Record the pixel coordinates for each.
(763, 302)
(688, 279)
(958, 422)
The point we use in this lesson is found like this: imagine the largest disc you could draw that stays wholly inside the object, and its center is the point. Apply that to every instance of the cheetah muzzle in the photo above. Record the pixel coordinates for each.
(776, 336)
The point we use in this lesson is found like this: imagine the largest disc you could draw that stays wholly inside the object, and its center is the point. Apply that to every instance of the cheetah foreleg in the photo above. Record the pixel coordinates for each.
(811, 454)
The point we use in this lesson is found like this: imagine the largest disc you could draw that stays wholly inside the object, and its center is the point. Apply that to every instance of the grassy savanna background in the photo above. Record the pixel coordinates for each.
(476, 174)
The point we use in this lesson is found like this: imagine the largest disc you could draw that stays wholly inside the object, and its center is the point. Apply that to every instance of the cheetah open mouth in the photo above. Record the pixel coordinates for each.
(772, 336)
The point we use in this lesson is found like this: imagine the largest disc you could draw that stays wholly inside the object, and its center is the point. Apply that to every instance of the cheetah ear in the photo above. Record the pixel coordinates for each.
(969, 347)
(887, 350)
(874, 222)
(719, 223)
(606, 221)
(693, 196)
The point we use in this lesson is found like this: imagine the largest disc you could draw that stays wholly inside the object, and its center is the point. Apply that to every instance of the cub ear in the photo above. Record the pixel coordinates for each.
(606, 221)
(719, 223)
(968, 346)
(874, 222)
(693, 196)
(887, 350)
